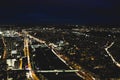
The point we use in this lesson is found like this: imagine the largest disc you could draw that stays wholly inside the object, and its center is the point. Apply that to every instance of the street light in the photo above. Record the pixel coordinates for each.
(1, 32)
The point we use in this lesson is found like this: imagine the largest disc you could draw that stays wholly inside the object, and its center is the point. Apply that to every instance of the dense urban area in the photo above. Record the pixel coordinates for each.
(59, 52)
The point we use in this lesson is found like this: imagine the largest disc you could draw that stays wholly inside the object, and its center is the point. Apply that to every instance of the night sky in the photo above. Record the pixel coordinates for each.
(60, 11)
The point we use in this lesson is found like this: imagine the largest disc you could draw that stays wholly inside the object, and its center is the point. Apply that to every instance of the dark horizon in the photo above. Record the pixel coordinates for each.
(60, 12)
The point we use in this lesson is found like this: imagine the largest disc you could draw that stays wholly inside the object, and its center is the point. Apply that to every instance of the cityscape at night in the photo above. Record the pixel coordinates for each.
(59, 40)
(54, 53)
